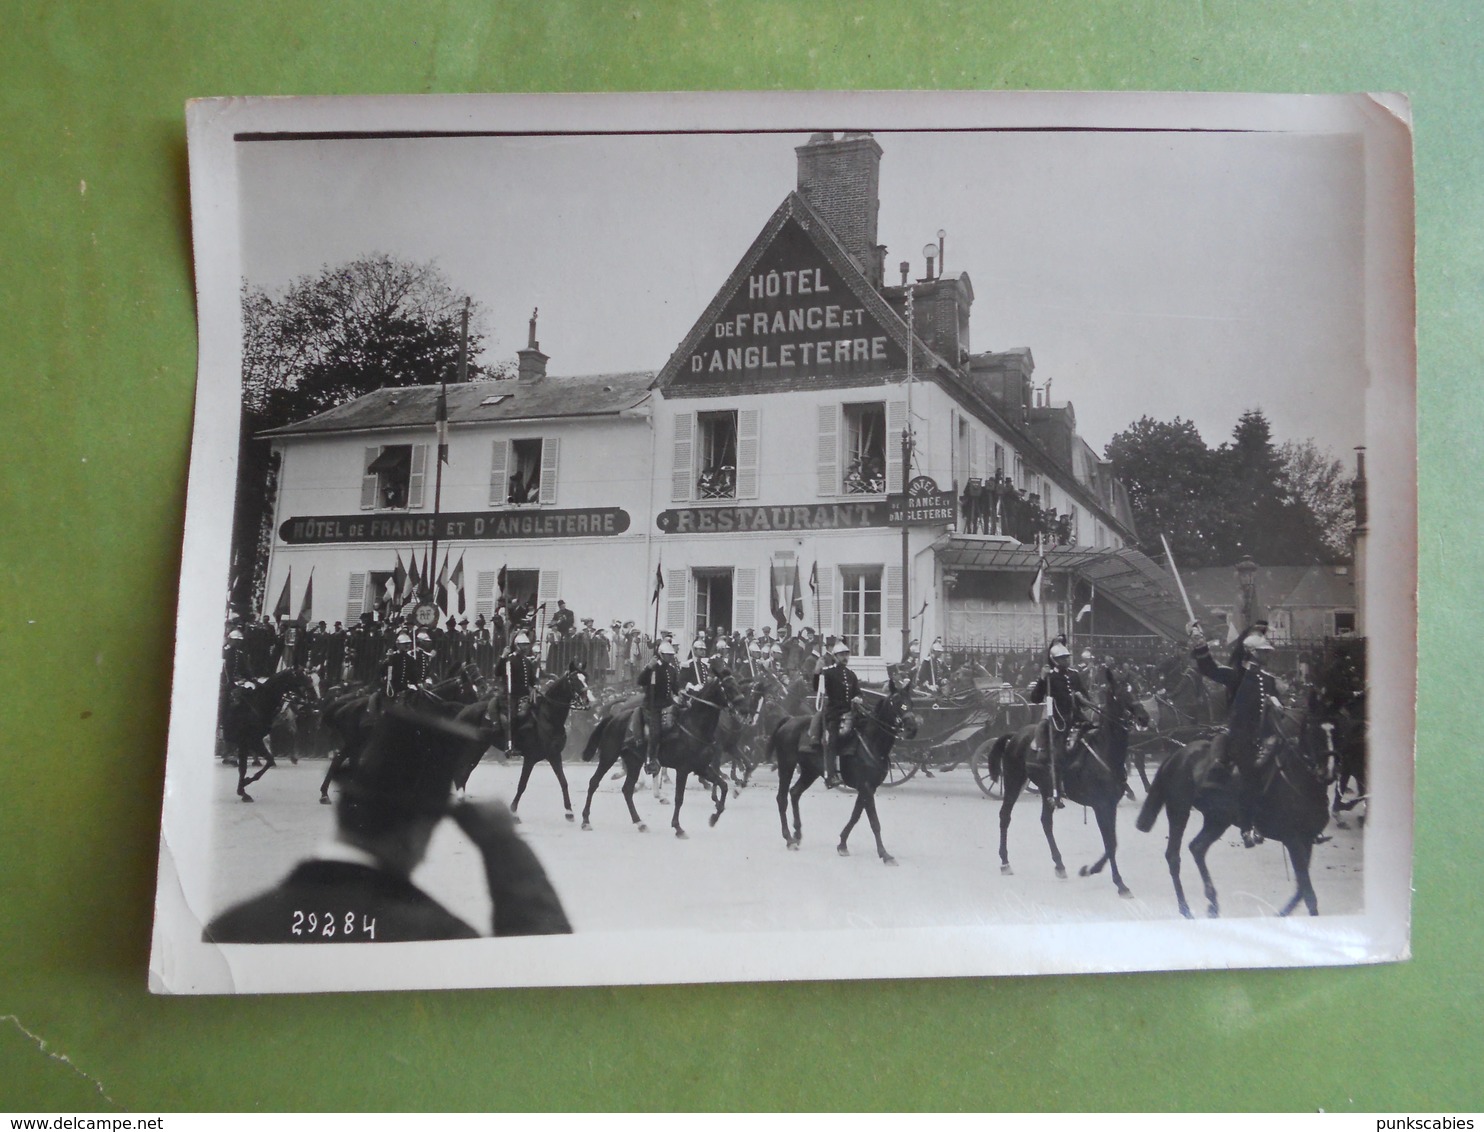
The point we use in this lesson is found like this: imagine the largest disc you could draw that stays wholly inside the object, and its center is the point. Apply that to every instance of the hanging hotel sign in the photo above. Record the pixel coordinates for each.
(581, 522)
(803, 517)
(922, 505)
(792, 316)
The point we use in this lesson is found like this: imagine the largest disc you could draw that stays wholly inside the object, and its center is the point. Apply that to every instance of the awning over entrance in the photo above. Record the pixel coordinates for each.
(1135, 583)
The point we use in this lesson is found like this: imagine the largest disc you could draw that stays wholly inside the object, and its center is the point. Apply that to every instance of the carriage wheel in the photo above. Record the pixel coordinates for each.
(899, 770)
(979, 764)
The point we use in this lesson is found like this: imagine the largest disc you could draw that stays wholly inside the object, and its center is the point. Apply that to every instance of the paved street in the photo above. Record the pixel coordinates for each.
(738, 876)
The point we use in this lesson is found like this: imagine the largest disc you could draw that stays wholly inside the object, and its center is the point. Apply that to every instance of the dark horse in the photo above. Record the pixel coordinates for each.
(542, 735)
(1090, 776)
(351, 718)
(865, 755)
(1291, 807)
(687, 748)
(249, 711)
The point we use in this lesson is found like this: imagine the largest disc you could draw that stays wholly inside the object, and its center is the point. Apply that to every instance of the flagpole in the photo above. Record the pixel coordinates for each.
(1041, 597)
(906, 474)
(441, 425)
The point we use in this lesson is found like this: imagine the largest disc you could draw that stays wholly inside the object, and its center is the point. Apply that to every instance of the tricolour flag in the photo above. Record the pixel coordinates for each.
(306, 607)
(1039, 581)
(399, 581)
(797, 608)
(659, 583)
(503, 580)
(442, 593)
(457, 580)
(1092, 593)
(281, 610)
(414, 581)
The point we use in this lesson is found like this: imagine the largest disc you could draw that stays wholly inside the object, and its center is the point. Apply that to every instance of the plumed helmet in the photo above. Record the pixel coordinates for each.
(1060, 650)
(235, 635)
(1253, 642)
(666, 648)
(937, 646)
(840, 648)
(522, 639)
(404, 638)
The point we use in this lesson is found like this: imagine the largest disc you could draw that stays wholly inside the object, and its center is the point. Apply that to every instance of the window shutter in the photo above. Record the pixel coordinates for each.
(999, 459)
(976, 455)
(683, 467)
(893, 598)
(484, 590)
(551, 449)
(355, 599)
(825, 602)
(415, 482)
(896, 420)
(500, 474)
(677, 583)
(368, 480)
(548, 589)
(827, 450)
(748, 424)
(744, 604)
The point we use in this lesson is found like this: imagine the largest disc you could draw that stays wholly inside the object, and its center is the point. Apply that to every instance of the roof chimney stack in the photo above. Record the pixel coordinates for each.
(841, 180)
(532, 360)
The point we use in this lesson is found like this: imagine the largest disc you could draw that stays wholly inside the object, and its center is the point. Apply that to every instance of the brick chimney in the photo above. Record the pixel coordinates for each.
(532, 360)
(841, 180)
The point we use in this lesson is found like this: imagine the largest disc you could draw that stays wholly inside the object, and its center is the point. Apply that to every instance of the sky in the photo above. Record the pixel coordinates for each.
(1161, 274)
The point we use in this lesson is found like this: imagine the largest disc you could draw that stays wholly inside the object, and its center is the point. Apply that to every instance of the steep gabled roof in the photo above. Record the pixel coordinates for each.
(481, 402)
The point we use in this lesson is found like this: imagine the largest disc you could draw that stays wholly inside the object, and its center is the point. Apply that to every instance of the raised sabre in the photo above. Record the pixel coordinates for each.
(1189, 613)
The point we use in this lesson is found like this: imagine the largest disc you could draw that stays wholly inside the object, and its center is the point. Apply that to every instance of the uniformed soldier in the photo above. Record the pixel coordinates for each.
(237, 662)
(932, 673)
(425, 649)
(696, 668)
(516, 674)
(398, 669)
(1252, 693)
(840, 690)
(334, 646)
(660, 681)
(1062, 685)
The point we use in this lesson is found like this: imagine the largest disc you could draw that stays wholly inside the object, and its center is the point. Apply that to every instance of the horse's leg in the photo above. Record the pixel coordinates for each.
(1300, 852)
(337, 760)
(242, 772)
(807, 778)
(527, 764)
(1048, 817)
(1142, 756)
(1211, 831)
(717, 780)
(632, 764)
(1108, 826)
(1014, 784)
(1174, 846)
(870, 799)
(555, 759)
(605, 761)
(680, 776)
(269, 764)
(785, 780)
(855, 816)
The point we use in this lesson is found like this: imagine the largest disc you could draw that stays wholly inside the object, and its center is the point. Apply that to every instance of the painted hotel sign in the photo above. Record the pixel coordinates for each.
(583, 522)
(801, 517)
(792, 316)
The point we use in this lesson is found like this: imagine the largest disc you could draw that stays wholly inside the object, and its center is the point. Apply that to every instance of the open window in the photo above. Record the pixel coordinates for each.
(865, 449)
(524, 483)
(392, 477)
(860, 609)
(716, 463)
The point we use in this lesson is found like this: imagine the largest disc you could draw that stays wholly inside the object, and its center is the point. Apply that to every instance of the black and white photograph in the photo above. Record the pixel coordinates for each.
(676, 538)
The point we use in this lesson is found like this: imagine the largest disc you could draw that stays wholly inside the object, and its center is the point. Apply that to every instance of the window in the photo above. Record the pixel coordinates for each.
(1344, 622)
(1019, 471)
(961, 472)
(860, 609)
(865, 449)
(716, 475)
(713, 598)
(524, 484)
(999, 459)
(392, 477)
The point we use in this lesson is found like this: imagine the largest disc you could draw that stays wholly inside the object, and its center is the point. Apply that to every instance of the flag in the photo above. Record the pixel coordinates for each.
(306, 607)
(427, 589)
(1092, 593)
(457, 580)
(442, 598)
(398, 581)
(281, 610)
(814, 580)
(797, 608)
(502, 580)
(778, 601)
(1040, 581)
(443, 424)
(659, 583)
(414, 581)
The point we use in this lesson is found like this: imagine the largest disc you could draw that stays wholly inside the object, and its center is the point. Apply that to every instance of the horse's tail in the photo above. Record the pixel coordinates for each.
(590, 748)
(997, 756)
(1155, 800)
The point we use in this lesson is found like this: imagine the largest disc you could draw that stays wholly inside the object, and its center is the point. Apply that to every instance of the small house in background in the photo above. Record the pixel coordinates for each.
(1303, 603)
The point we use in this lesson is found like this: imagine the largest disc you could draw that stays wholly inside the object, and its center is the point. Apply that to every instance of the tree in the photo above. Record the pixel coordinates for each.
(329, 338)
(1263, 518)
(1173, 486)
(1317, 479)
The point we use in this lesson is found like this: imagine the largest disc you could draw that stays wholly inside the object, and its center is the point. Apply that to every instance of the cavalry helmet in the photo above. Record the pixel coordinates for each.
(522, 639)
(1256, 641)
(404, 638)
(840, 647)
(666, 648)
(235, 635)
(1060, 650)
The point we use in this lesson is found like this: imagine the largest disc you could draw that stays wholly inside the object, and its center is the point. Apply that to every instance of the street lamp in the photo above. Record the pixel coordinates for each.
(1246, 571)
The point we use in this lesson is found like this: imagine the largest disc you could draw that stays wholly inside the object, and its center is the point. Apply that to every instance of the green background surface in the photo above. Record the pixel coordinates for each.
(97, 361)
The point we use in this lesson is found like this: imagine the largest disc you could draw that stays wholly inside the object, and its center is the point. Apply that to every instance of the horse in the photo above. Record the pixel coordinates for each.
(687, 748)
(1090, 776)
(864, 757)
(1345, 738)
(1291, 807)
(350, 716)
(248, 712)
(542, 734)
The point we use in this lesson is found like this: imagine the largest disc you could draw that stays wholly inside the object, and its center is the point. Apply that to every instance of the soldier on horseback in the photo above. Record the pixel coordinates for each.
(840, 689)
(399, 669)
(1244, 745)
(1062, 685)
(660, 681)
(515, 677)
